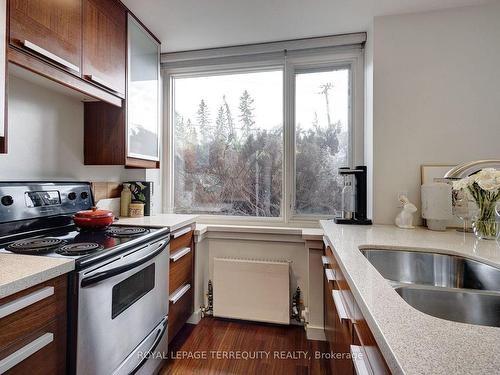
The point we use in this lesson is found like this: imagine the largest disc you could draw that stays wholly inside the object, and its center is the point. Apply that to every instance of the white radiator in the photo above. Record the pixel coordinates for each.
(252, 290)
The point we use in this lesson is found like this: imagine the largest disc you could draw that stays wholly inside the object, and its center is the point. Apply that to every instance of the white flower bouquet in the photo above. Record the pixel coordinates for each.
(484, 188)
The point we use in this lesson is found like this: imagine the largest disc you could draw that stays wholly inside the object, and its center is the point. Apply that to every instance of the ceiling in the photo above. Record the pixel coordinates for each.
(195, 24)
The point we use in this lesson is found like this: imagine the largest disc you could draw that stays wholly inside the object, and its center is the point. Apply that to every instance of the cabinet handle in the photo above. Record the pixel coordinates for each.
(101, 82)
(325, 260)
(177, 295)
(20, 355)
(330, 274)
(181, 232)
(358, 358)
(339, 305)
(25, 301)
(49, 55)
(179, 254)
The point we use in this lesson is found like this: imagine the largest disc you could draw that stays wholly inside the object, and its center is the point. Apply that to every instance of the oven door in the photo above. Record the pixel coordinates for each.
(119, 304)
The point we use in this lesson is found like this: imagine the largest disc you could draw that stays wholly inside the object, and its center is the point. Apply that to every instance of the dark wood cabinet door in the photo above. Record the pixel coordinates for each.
(342, 343)
(105, 44)
(50, 29)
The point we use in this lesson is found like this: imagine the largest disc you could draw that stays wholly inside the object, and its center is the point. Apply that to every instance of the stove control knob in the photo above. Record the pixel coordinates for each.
(7, 200)
(72, 196)
(84, 195)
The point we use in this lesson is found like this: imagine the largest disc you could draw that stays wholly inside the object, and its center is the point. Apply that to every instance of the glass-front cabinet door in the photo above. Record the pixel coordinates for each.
(143, 93)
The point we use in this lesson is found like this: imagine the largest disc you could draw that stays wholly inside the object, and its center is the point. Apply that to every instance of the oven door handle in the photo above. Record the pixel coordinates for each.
(100, 276)
(149, 353)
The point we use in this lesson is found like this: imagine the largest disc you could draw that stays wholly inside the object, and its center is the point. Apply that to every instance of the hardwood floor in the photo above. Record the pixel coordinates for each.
(216, 346)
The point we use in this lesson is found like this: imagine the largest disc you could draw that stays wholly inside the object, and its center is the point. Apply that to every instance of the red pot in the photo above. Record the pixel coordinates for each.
(93, 219)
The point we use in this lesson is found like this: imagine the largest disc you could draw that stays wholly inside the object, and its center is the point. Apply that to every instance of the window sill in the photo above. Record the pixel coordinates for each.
(226, 231)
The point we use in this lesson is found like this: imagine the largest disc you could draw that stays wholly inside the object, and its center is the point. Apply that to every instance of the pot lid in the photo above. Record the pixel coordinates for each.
(94, 213)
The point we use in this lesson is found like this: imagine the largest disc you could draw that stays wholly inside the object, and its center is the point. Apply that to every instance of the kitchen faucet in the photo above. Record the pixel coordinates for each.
(466, 169)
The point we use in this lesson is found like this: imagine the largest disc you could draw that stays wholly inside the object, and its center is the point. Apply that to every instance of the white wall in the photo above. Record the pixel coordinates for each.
(46, 138)
(436, 96)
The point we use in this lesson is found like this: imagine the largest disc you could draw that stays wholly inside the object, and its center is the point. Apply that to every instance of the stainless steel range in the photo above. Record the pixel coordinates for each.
(118, 302)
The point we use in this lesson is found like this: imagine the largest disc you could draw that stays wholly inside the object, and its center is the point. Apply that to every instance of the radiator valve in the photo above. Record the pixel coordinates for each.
(296, 306)
(209, 309)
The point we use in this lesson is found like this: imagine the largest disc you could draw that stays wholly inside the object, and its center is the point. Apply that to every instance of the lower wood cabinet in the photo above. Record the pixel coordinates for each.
(33, 330)
(348, 335)
(181, 280)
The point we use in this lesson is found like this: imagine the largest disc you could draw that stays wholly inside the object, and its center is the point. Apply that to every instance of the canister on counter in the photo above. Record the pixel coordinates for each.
(136, 209)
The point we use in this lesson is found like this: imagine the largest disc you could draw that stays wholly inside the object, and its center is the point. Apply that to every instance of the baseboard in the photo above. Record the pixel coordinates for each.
(315, 333)
(195, 317)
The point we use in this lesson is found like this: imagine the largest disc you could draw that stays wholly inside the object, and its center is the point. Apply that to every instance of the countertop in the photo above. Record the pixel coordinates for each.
(19, 272)
(172, 221)
(413, 342)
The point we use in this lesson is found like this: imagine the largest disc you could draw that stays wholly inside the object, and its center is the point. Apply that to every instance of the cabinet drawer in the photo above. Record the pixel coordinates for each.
(373, 358)
(181, 268)
(30, 310)
(42, 352)
(180, 239)
(179, 310)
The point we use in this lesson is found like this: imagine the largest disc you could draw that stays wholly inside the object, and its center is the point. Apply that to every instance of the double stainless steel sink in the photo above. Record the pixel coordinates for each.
(445, 286)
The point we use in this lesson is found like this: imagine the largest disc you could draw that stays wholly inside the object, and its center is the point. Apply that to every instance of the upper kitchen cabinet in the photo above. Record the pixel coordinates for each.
(80, 44)
(49, 29)
(129, 135)
(143, 97)
(105, 44)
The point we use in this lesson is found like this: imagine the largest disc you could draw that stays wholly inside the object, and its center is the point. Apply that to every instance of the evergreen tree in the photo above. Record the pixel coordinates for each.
(220, 124)
(315, 121)
(180, 130)
(204, 120)
(190, 133)
(246, 113)
(229, 121)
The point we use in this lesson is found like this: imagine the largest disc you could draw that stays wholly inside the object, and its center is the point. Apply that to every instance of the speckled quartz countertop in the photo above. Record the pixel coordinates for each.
(19, 272)
(173, 221)
(413, 342)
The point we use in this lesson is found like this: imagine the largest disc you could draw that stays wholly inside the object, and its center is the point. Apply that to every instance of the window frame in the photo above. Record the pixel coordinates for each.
(352, 57)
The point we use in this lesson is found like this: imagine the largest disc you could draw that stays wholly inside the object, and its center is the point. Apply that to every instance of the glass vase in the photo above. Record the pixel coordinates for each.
(485, 225)
(486, 230)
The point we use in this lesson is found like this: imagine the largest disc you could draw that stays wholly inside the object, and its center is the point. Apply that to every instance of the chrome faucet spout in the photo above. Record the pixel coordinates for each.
(466, 169)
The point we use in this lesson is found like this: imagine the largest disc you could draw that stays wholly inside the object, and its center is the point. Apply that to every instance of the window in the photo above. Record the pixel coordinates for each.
(262, 135)
(321, 139)
(228, 144)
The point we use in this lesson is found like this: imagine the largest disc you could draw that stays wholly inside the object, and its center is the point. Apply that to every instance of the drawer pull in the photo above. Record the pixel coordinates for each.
(325, 260)
(181, 232)
(49, 55)
(20, 355)
(25, 301)
(339, 305)
(101, 82)
(177, 295)
(358, 358)
(330, 274)
(179, 254)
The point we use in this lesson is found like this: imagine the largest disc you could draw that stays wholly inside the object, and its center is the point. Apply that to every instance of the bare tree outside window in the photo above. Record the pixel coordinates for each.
(229, 140)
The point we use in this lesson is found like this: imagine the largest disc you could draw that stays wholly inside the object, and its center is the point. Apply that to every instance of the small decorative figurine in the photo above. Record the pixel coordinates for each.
(405, 217)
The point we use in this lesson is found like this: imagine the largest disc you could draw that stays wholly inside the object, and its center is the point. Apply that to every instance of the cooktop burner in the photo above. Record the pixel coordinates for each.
(126, 231)
(79, 248)
(35, 245)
